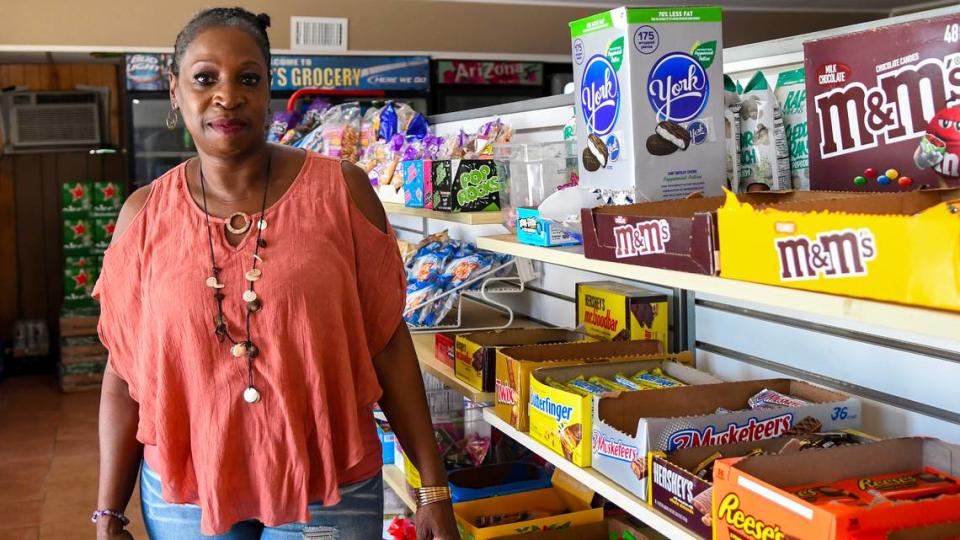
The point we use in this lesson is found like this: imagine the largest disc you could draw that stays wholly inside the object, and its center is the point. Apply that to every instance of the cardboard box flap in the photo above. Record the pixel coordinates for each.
(593, 531)
(625, 410)
(573, 494)
(586, 350)
(609, 370)
(523, 336)
(688, 208)
(894, 204)
(844, 462)
(940, 531)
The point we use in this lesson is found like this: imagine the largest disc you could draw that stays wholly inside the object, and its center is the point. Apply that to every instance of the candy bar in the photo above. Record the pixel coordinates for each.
(705, 468)
(587, 386)
(808, 425)
(771, 399)
(909, 485)
(570, 438)
(656, 379)
(623, 380)
(702, 502)
(607, 383)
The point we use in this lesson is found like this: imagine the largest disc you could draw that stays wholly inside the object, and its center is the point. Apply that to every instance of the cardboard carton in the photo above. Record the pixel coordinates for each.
(445, 348)
(569, 501)
(685, 497)
(76, 199)
(876, 99)
(465, 185)
(939, 531)
(611, 529)
(629, 426)
(563, 420)
(515, 364)
(611, 311)
(675, 235)
(858, 246)
(534, 230)
(108, 198)
(417, 183)
(749, 499)
(476, 359)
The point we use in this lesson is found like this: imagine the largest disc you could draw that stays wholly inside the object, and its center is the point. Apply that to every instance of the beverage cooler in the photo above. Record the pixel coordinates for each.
(471, 84)
(368, 80)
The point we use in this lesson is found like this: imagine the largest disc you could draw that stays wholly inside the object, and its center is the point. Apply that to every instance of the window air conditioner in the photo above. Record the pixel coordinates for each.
(51, 120)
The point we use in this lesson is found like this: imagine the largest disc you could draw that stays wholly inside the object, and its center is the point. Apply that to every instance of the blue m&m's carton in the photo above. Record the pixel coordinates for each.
(649, 101)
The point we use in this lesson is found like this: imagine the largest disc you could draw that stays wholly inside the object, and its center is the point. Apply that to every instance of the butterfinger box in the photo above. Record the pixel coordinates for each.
(515, 364)
(568, 502)
(629, 426)
(476, 358)
(613, 311)
(751, 501)
(563, 420)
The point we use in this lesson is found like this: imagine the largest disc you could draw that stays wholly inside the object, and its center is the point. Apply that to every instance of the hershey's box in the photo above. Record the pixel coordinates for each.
(649, 105)
(885, 100)
(629, 426)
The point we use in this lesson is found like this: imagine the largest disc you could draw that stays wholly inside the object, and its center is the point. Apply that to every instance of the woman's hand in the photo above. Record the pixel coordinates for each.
(436, 522)
(110, 528)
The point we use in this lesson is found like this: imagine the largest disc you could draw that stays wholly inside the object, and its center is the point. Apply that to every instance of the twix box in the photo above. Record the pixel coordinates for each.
(515, 364)
(613, 311)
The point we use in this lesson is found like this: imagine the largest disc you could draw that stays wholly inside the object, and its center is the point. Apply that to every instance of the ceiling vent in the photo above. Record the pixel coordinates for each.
(318, 34)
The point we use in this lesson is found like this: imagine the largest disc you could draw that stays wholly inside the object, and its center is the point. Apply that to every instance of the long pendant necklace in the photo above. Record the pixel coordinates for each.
(245, 348)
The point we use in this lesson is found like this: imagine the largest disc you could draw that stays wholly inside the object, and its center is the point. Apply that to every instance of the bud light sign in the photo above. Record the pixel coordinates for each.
(678, 87)
(600, 95)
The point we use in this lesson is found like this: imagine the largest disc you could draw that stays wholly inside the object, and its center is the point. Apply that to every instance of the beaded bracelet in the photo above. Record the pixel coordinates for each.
(97, 514)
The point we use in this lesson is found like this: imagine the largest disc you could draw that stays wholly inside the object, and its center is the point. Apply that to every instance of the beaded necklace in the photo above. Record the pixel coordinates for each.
(246, 347)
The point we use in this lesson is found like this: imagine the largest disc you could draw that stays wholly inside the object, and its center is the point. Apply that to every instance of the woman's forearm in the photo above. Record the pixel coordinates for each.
(120, 452)
(405, 404)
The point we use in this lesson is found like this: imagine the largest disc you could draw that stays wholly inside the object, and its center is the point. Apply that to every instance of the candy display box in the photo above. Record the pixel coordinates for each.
(937, 531)
(563, 420)
(417, 183)
(749, 497)
(896, 247)
(674, 235)
(629, 426)
(496, 480)
(444, 348)
(568, 502)
(611, 529)
(515, 364)
(465, 185)
(535, 230)
(686, 498)
(476, 358)
(612, 311)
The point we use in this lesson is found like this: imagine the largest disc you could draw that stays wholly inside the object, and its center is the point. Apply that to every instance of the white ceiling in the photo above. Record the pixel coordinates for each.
(866, 6)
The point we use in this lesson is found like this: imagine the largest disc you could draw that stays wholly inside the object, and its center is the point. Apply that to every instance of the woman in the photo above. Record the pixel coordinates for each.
(251, 302)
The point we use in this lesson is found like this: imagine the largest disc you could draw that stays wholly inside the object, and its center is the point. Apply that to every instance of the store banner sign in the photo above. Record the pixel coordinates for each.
(351, 72)
(148, 72)
(500, 73)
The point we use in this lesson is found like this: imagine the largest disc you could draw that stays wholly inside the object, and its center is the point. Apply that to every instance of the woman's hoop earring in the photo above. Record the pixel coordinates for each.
(172, 119)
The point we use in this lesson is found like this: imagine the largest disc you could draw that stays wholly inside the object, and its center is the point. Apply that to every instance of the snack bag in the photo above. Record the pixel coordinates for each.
(282, 122)
(764, 157)
(368, 128)
(731, 125)
(312, 116)
(341, 131)
(792, 96)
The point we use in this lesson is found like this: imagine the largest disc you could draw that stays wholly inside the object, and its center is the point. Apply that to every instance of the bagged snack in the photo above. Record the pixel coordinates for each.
(368, 128)
(731, 128)
(764, 158)
(418, 128)
(282, 122)
(341, 131)
(389, 123)
(311, 118)
(792, 95)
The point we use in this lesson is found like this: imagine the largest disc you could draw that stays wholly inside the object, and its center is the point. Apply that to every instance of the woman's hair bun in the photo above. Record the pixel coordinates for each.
(263, 20)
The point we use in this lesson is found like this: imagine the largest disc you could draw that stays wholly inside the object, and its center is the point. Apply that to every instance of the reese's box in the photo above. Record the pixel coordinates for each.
(838, 493)
(628, 426)
(476, 358)
(613, 311)
(859, 246)
(681, 481)
(515, 364)
(561, 416)
(567, 504)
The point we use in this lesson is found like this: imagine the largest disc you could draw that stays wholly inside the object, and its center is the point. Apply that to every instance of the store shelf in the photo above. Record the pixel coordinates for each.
(468, 218)
(394, 478)
(868, 313)
(595, 481)
(424, 344)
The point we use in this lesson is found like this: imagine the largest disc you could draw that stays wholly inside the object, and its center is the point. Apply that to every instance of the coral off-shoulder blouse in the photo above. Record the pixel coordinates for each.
(332, 292)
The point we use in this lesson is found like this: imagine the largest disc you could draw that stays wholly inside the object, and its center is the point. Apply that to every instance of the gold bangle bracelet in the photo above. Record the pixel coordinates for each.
(432, 494)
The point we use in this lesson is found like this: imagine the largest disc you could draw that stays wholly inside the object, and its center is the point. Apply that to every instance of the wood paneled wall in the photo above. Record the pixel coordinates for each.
(31, 229)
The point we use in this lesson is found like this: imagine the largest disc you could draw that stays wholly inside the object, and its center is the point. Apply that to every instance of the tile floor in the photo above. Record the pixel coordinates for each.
(48, 462)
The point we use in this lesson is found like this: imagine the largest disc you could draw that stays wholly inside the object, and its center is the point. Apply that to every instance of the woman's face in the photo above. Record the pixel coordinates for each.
(223, 91)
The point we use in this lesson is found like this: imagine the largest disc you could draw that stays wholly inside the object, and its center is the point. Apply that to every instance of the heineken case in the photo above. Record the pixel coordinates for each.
(103, 227)
(108, 197)
(649, 105)
(76, 198)
(77, 234)
(78, 279)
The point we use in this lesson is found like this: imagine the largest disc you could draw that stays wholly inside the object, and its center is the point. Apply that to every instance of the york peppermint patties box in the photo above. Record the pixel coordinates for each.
(628, 427)
(650, 101)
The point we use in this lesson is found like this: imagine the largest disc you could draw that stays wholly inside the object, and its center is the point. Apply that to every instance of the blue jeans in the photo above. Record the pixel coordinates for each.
(359, 516)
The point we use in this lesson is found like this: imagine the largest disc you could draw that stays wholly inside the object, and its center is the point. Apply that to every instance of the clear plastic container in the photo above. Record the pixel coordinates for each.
(529, 173)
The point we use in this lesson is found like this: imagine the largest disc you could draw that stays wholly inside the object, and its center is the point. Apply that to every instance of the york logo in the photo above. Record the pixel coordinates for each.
(833, 254)
(896, 108)
(678, 87)
(729, 512)
(613, 448)
(599, 95)
(753, 430)
(644, 238)
(505, 394)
